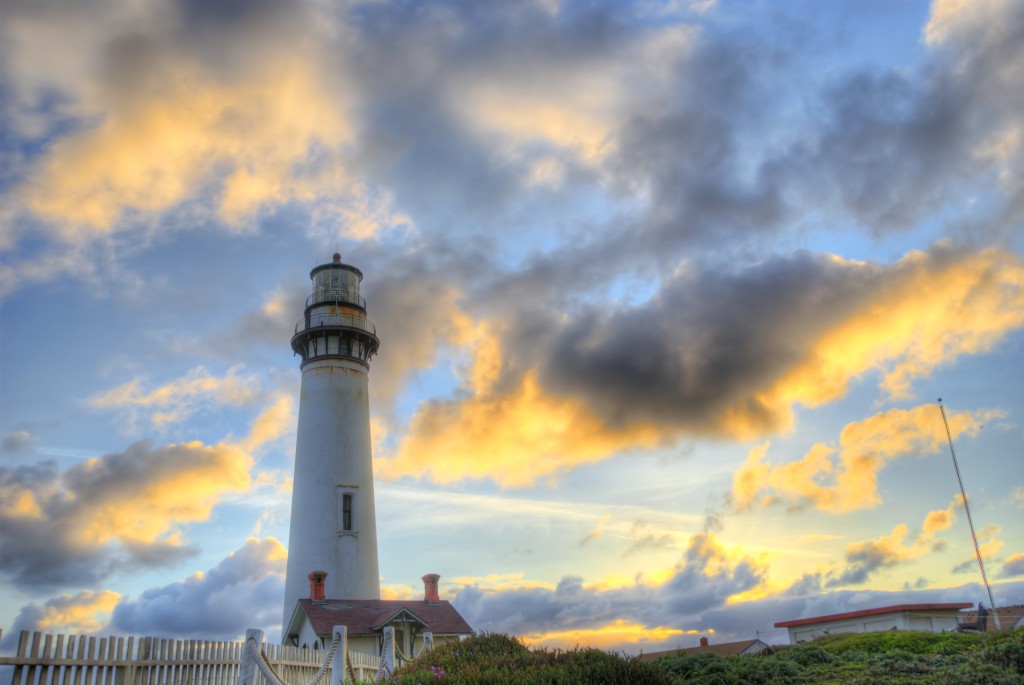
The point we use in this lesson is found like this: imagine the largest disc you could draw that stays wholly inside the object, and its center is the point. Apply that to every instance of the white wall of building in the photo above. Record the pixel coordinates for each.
(903, 620)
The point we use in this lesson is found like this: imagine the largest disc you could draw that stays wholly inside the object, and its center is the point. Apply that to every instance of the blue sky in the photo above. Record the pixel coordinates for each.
(666, 294)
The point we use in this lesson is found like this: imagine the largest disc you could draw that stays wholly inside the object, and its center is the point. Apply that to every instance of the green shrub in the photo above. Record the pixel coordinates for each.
(1005, 650)
(499, 659)
(890, 658)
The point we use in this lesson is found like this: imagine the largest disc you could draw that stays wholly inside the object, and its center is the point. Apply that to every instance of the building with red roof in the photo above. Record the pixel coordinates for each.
(312, 623)
(934, 618)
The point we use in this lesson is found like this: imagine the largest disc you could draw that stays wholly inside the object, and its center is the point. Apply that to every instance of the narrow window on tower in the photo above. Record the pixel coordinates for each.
(346, 512)
(347, 509)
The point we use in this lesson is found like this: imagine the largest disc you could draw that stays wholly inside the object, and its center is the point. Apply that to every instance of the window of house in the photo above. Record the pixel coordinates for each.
(346, 512)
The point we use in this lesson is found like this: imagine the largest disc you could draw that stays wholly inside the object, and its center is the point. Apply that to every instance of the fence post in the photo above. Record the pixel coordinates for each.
(388, 653)
(340, 655)
(247, 669)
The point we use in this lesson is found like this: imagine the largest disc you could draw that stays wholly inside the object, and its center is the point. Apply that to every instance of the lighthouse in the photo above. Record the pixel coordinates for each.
(333, 524)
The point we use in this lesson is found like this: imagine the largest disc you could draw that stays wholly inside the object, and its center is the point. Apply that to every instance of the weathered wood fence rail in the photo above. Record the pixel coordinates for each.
(83, 660)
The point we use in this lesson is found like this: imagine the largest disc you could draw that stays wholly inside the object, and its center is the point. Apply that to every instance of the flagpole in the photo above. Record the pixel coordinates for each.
(970, 521)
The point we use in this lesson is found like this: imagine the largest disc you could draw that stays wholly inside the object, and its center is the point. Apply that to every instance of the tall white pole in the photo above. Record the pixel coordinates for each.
(970, 521)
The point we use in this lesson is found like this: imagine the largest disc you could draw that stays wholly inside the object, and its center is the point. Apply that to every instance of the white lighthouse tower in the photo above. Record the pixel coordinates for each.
(333, 524)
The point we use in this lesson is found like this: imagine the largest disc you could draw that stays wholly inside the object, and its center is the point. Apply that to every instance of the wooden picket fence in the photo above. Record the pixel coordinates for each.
(83, 660)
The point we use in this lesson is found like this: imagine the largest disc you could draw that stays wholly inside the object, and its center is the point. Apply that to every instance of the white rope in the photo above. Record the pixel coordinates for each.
(268, 671)
(261, 663)
(318, 676)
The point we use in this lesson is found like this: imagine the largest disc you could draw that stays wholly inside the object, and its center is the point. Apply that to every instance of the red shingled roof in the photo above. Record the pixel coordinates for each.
(898, 608)
(368, 616)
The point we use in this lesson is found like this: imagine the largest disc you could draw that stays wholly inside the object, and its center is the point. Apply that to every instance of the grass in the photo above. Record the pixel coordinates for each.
(889, 658)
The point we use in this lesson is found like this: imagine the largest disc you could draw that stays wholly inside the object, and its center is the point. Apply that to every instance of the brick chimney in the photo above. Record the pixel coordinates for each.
(430, 587)
(703, 641)
(316, 585)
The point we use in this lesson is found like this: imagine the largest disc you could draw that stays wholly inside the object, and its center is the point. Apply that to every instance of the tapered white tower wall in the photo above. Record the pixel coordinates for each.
(333, 522)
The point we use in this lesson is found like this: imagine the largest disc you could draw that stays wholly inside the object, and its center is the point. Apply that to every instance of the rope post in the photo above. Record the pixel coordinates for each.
(338, 660)
(387, 654)
(247, 669)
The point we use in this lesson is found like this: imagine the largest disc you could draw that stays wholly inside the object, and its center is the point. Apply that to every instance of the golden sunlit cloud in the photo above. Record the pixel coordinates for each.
(128, 508)
(849, 481)
(174, 484)
(180, 398)
(611, 635)
(934, 308)
(85, 612)
(275, 422)
(514, 439)
(400, 591)
(498, 582)
(931, 312)
(941, 519)
(178, 133)
(864, 558)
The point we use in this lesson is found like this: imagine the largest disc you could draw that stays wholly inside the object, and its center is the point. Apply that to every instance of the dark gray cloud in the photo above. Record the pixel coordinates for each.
(693, 589)
(965, 566)
(17, 441)
(643, 537)
(571, 606)
(243, 591)
(705, 345)
(111, 514)
(1013, 566)
(82, 613)
(415, 299)
(863, 561)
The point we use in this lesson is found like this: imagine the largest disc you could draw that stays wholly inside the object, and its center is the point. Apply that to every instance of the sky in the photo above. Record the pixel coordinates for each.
(666, 292)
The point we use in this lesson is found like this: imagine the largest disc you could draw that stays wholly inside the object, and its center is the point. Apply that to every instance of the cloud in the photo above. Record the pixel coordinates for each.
(17, 441)
(705, 577)
(711, 354)
(86, 612)
(986, 548)
(165, 120)
(177, 400)
(272, 424)
(243, 591)
(1013, 566)
(848, 481)
(864, 558)
(597, 532)
(643, 537)
(416, 302)
(179, 107)
(113, 513)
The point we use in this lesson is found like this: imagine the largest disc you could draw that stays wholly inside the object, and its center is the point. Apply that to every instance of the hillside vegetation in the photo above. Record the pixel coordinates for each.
(890, 658)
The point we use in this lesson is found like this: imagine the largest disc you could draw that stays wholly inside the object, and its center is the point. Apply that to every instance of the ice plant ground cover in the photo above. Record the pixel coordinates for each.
(890, 658)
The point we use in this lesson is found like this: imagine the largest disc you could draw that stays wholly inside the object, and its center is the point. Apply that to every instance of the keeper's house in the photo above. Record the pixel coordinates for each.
(312, 623)
(933, 618)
